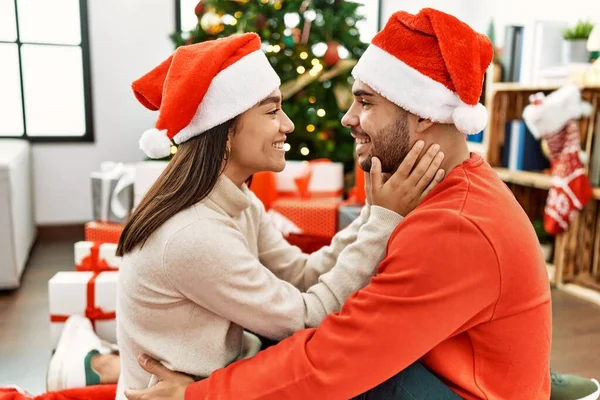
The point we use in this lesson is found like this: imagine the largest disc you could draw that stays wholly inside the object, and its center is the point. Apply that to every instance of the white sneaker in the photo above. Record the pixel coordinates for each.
(70, 366)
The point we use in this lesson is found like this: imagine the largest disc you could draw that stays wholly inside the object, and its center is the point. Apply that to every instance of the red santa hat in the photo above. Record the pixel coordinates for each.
(432, 65)
(201, 86)
(547, 115)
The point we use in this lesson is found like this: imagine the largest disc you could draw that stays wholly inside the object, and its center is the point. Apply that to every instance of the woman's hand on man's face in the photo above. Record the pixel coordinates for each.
(404, 189)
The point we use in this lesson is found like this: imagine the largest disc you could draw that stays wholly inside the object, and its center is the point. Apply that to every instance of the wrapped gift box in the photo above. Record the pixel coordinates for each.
(96, 257)
(325, 178)
(308, 243)
(91, 294)
(112, 192)
(103, 232)
(146, 173)
(347, 213)
(316, 216)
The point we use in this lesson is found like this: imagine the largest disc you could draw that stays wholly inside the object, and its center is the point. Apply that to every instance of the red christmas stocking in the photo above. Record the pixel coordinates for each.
(552, 119)
(571, 190)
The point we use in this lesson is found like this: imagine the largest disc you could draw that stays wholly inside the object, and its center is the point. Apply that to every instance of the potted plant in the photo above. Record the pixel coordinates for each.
(574, 48)
(544, 238)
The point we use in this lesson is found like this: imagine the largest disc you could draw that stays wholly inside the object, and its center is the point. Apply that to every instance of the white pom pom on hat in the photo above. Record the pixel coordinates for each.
(155, 143)
(470, 119)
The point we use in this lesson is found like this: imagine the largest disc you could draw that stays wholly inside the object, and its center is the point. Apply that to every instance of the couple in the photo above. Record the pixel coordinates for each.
(456, 303)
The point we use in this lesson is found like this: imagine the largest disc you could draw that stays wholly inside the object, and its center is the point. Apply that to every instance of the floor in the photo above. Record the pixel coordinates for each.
(24, 324)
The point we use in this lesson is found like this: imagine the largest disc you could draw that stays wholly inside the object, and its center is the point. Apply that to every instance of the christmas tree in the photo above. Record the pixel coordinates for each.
(313, 45)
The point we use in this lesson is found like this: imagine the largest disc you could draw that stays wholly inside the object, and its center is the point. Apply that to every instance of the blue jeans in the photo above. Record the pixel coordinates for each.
(414, 383)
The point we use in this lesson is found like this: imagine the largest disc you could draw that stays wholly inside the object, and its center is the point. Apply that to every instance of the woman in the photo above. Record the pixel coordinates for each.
(202, 264)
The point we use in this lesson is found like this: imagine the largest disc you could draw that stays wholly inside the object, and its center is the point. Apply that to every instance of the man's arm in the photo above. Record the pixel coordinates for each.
(440, 277)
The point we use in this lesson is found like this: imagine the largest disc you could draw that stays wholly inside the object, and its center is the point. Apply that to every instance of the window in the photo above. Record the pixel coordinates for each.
(45, 87)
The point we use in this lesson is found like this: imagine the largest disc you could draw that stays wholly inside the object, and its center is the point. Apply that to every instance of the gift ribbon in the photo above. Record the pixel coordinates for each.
(357, 193)
(92, 312)
(92, 261)
(303, 181)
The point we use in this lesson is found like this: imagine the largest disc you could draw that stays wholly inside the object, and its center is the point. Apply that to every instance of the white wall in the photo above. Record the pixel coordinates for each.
(525, 12)
(127, 39)
(462, 9)
(478, 13)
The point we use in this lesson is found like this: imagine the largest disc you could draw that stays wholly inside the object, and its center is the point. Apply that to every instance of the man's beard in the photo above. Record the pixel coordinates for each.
(392, 146)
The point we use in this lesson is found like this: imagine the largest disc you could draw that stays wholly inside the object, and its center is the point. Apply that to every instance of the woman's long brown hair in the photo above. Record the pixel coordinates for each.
(188, 178)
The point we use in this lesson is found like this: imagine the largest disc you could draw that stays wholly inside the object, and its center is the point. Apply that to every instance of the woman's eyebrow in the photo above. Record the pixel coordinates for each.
(272, 99)
(361, 92)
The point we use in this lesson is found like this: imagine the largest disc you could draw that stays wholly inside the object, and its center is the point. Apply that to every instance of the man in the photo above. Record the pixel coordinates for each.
(463, 286)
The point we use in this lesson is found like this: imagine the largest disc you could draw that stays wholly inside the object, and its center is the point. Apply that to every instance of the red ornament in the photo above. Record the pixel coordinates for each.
(332, 55)
(261, 21)
(200, 7)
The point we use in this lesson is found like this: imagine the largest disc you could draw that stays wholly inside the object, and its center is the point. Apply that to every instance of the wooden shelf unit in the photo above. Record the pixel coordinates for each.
(532, 179)
(577, 251)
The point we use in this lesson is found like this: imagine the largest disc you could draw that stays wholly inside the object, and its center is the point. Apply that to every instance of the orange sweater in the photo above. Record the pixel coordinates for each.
(463, 288)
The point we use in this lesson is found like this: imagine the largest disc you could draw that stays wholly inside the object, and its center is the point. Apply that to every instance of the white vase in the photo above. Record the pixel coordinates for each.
(575, 51)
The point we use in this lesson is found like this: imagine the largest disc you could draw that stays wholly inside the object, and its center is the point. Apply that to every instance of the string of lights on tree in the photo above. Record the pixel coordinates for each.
(313, 45)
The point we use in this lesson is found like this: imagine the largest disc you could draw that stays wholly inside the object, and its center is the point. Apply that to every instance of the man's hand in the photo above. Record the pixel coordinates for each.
(171, 385)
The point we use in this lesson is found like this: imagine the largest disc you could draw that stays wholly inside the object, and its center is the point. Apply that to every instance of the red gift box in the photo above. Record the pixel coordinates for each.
(316, 216)
(308, 243)
(103, 232)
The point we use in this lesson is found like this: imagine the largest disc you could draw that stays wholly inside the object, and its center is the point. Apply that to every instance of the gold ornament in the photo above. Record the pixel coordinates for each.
(341, 67)
(173, 149)
(343, 96)
(211, 23)
(290, 88)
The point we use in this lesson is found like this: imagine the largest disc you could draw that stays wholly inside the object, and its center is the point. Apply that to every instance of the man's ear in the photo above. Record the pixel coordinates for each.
(422, 124)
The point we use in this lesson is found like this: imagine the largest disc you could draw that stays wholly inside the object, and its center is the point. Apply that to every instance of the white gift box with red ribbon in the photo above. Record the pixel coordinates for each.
(326, 178)
(90, 294)
(91, 256)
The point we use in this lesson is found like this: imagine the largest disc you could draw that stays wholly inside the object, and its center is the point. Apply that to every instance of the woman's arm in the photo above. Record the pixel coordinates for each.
(302, 270)
(210, 264)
